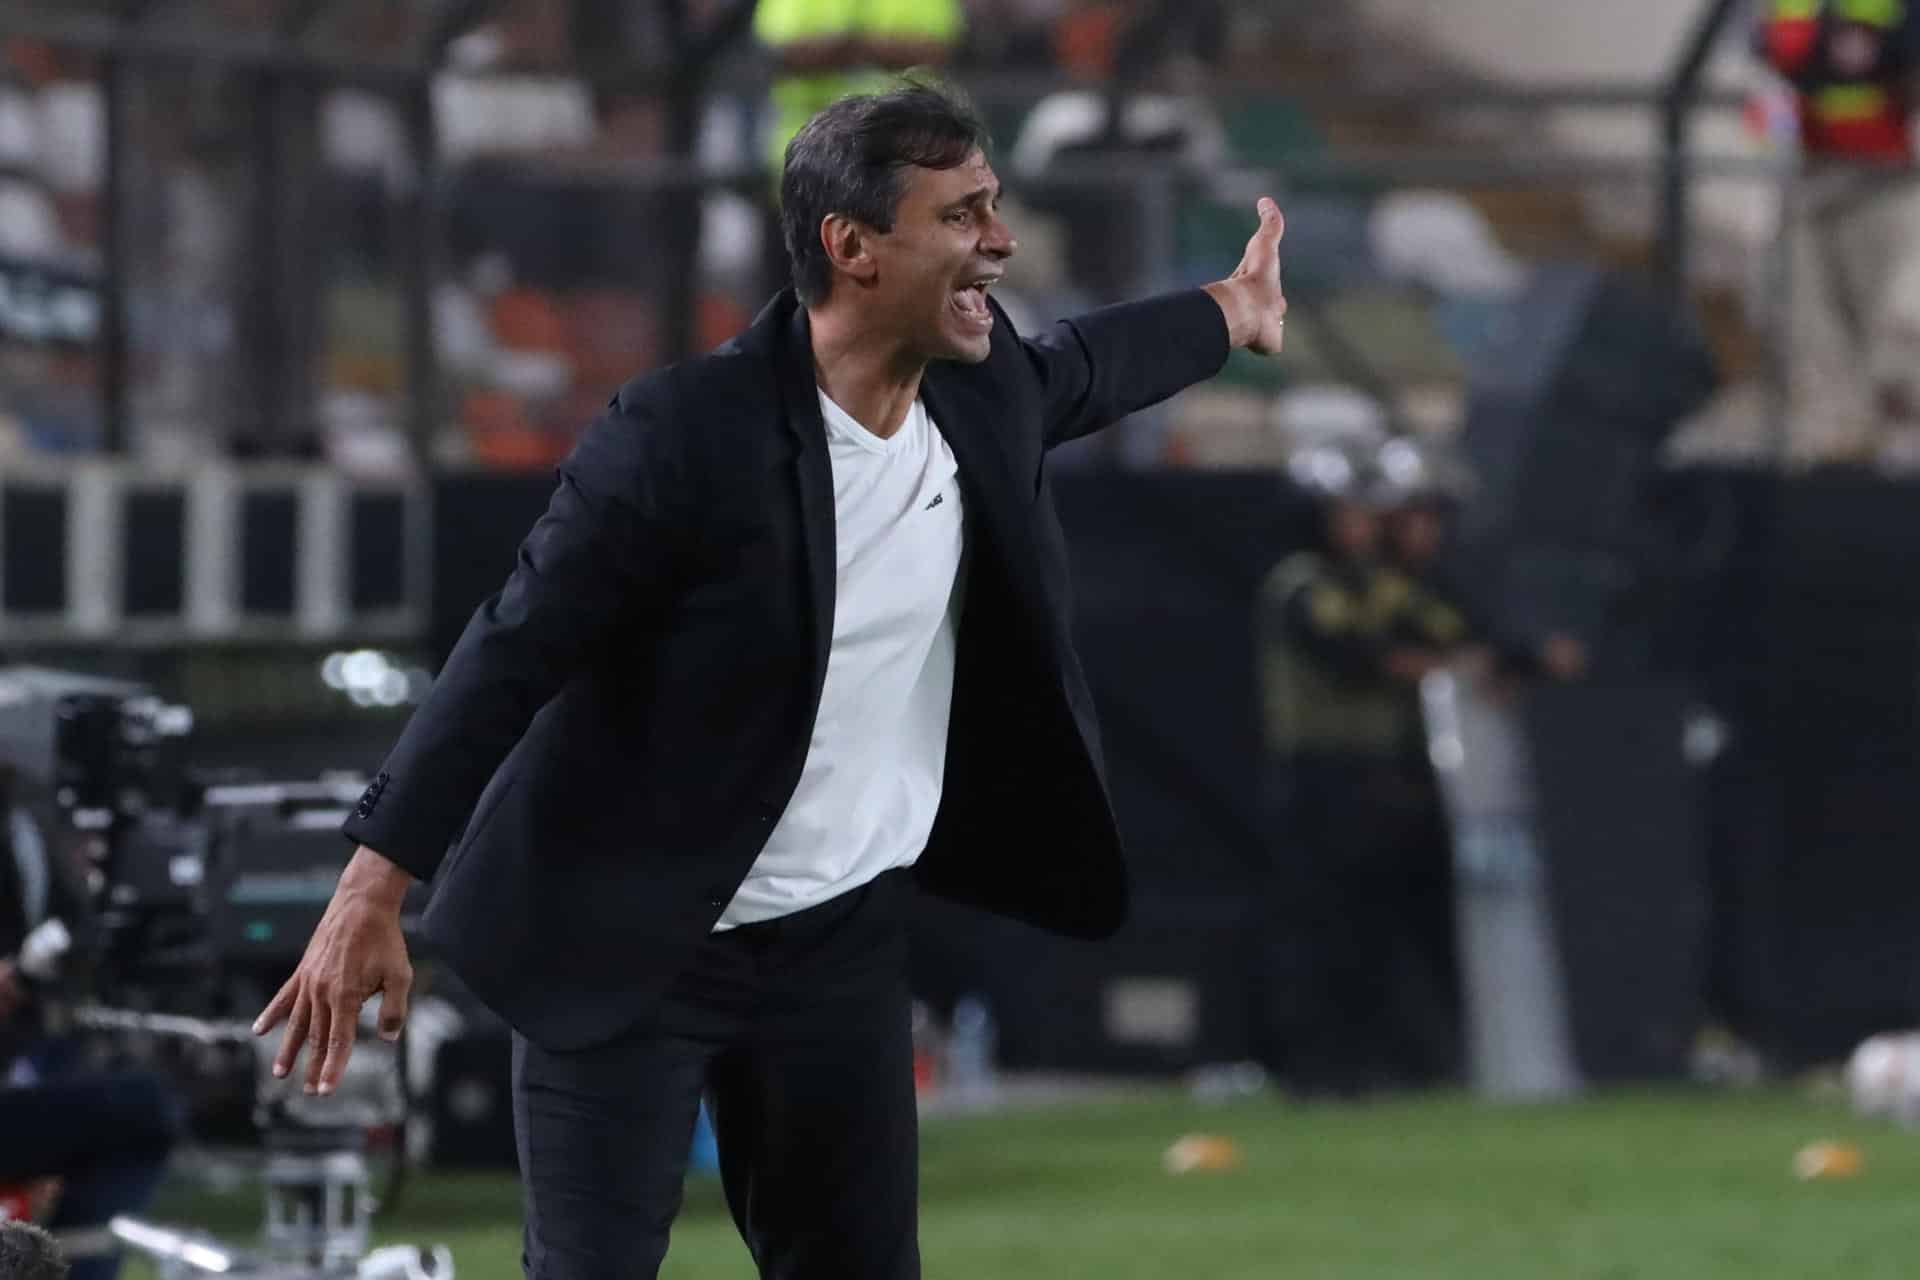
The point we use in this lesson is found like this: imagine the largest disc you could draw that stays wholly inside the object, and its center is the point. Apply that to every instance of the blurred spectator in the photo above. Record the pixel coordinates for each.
(483, 110)
(827, 49)
(1360, 1000)
(49, 326)
(29, 224)
(1437, 240)
(105, 1138)
(29, 1253)
(1855, 315)
(1135, 104)
(1010, 35)
(1368, 997)
(19, 129)
(1086, 157)
(1423, 489)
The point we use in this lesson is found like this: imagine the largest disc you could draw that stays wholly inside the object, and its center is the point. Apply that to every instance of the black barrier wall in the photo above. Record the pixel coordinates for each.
(1774, 888)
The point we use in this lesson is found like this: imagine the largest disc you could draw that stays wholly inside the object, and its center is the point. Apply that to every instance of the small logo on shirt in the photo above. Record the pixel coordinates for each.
(938, 498)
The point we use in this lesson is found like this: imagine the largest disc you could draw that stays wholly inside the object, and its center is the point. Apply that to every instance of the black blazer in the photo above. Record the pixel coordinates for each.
(620, 726)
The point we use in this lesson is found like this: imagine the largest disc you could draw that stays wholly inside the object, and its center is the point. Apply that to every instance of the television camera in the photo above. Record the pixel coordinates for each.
(197, 897)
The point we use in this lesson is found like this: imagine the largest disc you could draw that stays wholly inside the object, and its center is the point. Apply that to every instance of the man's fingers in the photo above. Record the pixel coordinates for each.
(345, 1018)
(1273, 223)
(393, 1003)
(277, 1007)
(1263, 250)
(295, 1036)
(317, 1041)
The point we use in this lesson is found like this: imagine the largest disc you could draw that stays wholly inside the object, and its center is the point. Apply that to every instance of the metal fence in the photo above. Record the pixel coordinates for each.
(294, 228)
(291, 249)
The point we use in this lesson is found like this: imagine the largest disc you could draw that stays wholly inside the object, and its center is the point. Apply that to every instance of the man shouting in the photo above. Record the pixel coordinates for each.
(794, 622)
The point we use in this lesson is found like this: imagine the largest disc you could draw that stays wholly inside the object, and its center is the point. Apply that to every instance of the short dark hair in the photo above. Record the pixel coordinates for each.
(28, 1253)
(849, 159)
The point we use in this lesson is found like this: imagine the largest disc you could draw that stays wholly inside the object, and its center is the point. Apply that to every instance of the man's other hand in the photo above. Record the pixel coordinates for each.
(13, 991)
(356, 950)
(1254, 303)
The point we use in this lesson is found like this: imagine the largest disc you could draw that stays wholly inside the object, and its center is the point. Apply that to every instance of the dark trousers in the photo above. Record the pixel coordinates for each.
(1365, 908)
(105, 1136)
(799, 1032)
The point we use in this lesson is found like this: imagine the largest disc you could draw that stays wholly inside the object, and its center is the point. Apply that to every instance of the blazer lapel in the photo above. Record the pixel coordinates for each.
(961, 413)
(800, 398)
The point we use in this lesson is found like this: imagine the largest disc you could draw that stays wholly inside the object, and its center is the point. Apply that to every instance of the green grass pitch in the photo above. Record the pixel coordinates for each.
(1681, 1185)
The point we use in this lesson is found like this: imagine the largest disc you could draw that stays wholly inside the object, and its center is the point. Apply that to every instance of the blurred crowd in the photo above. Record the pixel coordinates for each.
(557, 189)
(271, 226)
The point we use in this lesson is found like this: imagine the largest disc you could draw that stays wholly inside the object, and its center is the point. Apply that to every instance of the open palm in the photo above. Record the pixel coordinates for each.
(1258, 280)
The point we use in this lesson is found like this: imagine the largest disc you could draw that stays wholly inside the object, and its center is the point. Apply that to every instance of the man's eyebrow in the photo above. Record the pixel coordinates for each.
(975, 197)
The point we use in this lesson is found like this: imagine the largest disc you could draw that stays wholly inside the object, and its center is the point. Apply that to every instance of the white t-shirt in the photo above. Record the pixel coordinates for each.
(871, 783)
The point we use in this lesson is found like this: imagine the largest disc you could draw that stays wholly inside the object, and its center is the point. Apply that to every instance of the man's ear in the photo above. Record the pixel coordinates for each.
(849, 246)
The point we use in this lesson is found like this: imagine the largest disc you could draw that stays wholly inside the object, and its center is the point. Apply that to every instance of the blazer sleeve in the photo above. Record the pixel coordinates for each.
(1097, 368)
(605, 549)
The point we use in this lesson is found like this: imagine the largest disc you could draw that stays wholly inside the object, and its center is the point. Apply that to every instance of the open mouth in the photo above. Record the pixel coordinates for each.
(970, 300)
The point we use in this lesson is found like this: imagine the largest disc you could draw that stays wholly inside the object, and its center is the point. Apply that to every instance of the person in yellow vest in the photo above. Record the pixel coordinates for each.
(1854, 317)
(826, 49)
(1355, 1003)
(1364, 988)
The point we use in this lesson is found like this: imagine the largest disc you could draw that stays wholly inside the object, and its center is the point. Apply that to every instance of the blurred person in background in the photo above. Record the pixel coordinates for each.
(1430, 623)
(46, 922)
(1009, 35)
(1855, 288)
(826, 49)
(1136, 101)
(795, 621)
(1134, 110)
(49, 327)
(29, 1253)
(95, 1144)
(1423, 490)
(1363, 998)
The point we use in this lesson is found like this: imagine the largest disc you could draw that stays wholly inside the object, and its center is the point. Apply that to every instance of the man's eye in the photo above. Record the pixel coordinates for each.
(959, 217)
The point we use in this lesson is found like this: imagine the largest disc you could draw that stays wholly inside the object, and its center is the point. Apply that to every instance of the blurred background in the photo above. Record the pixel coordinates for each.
(1511, 692)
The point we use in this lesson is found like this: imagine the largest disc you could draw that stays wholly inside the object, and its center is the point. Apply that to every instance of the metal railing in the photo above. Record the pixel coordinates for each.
(121, 555)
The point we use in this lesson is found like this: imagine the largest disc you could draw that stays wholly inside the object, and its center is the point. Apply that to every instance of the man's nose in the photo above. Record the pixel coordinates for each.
(999, 241)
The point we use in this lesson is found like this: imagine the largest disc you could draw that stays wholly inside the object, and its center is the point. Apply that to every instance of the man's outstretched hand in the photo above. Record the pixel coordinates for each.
(1254, 303)
(356, 950)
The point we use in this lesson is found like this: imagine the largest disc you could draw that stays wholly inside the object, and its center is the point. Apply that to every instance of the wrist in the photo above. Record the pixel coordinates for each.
(375, 879)
(1242, 320)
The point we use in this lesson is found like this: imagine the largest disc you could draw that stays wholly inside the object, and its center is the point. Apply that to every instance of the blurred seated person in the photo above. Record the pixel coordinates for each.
(1140, 103)
(824, 50)
(1009, 35)
(96, 1142)
(1850, 67)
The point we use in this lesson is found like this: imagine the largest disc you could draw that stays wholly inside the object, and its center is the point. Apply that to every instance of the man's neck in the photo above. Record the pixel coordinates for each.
(865, 372)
